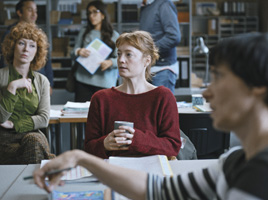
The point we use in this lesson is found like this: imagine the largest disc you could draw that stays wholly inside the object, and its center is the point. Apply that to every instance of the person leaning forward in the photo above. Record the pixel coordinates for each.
(238, 96)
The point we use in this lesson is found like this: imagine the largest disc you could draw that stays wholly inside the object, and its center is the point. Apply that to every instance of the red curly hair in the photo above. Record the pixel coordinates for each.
(31, 32)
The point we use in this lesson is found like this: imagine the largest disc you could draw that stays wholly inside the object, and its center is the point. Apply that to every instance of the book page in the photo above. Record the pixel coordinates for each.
(75, 174)
(99, 51)
(157, 164)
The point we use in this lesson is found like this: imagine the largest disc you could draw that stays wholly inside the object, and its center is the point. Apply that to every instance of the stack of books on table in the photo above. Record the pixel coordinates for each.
(75, 108)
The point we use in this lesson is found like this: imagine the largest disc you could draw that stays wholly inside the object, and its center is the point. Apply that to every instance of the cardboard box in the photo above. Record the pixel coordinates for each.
(56, 65)
(111, 12)
(60, 45)
(66, 15)
(76, 19)
(57, 54)
(183, 17)
(54, 16)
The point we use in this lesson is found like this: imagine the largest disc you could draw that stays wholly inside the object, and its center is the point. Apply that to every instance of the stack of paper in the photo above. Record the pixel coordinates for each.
(75, 108)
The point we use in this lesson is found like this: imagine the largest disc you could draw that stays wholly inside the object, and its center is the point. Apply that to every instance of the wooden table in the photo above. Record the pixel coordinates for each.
(74, 120)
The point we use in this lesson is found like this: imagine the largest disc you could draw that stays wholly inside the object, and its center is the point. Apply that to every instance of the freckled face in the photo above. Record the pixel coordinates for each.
(131, 62)
(230, 98)
(25, 51)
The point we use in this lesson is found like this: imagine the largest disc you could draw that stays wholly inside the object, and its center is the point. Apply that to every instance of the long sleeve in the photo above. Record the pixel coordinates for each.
(166, 141)
(94, 132)
(155, 117)
(27, 111)
(171, 36)
(200, 184)
(232, 177)
(41, 117)
(7, 104)
(78, 42)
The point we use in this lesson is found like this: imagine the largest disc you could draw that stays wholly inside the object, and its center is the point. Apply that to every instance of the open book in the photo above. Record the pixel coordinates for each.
(157, 164)
(76, 175)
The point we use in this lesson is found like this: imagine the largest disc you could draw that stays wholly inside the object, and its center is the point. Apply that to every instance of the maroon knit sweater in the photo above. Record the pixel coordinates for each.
(155, 117)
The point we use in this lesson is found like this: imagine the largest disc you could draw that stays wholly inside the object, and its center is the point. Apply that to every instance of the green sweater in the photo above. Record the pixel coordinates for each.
(28, 111)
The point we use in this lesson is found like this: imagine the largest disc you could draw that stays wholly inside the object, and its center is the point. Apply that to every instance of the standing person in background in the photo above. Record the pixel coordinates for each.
(24, 97)
(159, 17)
(106, 76)
(27, 12)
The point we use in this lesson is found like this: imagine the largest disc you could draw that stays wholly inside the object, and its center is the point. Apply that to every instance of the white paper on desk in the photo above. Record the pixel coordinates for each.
(76, 174)
(157, 164)
(99, 51)
(70, 104)
(55, 113)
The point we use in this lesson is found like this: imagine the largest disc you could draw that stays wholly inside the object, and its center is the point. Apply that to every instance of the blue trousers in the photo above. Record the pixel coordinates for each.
(166, 78)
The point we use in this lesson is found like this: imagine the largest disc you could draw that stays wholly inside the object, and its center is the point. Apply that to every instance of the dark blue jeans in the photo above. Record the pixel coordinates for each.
(166, 78)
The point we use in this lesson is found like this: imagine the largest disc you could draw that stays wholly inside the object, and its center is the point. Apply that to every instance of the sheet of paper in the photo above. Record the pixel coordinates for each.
(74, 174)
(55, 113)
(99, 51)
(157, 164)
(70, 104)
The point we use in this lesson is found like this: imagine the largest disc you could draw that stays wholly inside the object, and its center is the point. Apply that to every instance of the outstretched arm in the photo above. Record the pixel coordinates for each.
(128, 182)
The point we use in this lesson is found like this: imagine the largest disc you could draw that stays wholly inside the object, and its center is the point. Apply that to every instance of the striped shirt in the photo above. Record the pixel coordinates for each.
(231, 178)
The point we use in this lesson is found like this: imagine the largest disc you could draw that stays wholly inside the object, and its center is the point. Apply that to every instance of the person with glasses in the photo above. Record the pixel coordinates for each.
(98, 26)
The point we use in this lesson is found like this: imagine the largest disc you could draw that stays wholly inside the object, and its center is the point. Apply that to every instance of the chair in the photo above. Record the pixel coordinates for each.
(209, 143)
(187, 151)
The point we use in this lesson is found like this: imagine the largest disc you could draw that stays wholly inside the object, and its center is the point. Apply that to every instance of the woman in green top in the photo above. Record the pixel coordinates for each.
(24, 97)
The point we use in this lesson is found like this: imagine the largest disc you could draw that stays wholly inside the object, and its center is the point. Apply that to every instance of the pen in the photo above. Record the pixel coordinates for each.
(50, 172)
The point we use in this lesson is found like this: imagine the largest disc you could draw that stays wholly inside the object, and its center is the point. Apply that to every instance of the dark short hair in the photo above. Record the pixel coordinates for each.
(20, 4)
(247, 57)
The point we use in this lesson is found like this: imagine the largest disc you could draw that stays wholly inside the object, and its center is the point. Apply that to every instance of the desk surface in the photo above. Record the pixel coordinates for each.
(54, 119)
(25, 190)
(57, 118)
(8, 175)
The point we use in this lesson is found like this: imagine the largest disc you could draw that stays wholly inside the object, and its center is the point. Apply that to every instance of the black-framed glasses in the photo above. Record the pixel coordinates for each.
(93, 12)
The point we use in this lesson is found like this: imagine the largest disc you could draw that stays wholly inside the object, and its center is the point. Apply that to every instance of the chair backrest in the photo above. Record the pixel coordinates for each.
(187, 151)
